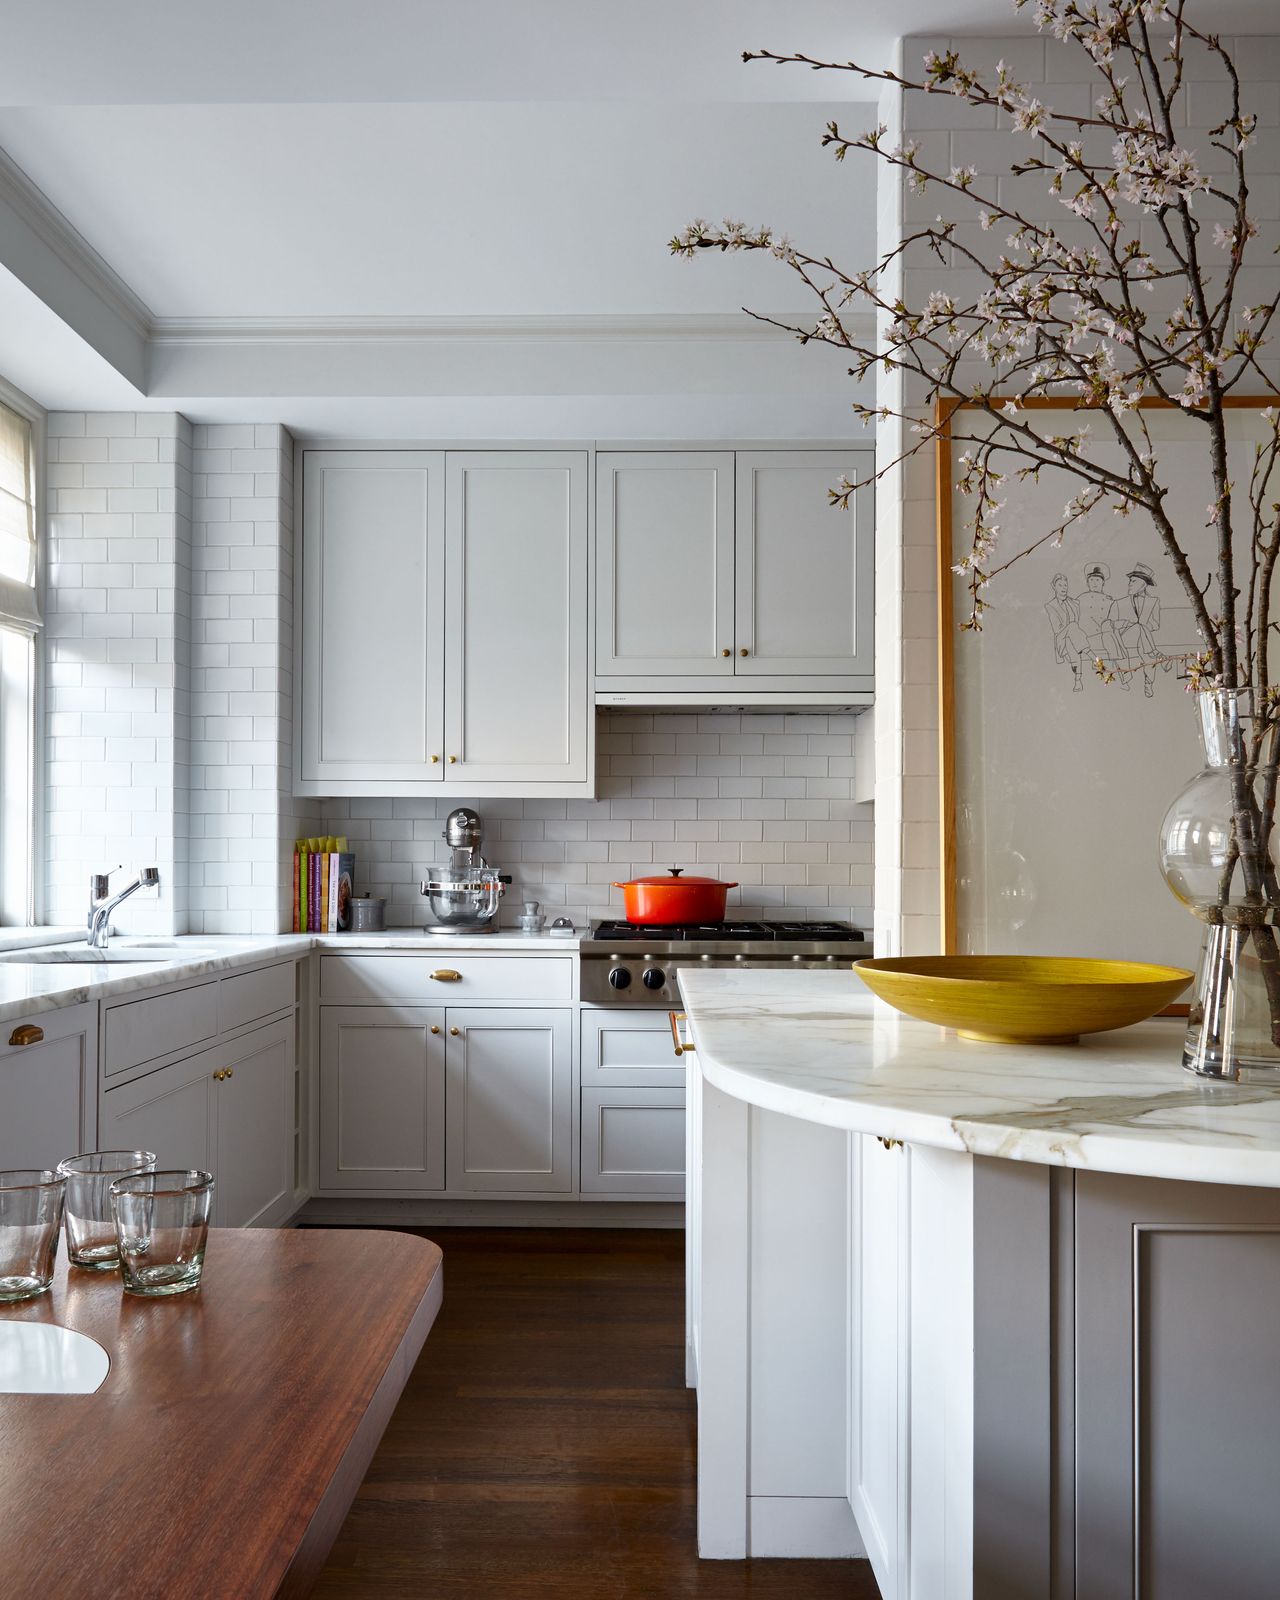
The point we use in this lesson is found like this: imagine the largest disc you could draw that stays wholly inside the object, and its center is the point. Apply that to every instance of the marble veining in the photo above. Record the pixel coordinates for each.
(819, 1046)
(29, 989)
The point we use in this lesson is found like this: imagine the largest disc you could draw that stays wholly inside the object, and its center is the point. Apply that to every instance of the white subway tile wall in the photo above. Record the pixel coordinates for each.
(242, 812)
(763, 800)
(117, 661)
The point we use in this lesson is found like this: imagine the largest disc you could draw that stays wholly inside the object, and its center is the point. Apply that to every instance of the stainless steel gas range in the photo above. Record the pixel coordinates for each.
(624, 964)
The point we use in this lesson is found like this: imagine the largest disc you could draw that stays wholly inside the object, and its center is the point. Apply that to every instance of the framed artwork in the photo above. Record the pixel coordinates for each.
(1055, 781)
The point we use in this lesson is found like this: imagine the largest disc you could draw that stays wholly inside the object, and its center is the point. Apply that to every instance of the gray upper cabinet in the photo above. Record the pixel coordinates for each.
(664, 568)
(371, 661)
(803, 569)
(517, 699)
(733, 565)
(443, 638)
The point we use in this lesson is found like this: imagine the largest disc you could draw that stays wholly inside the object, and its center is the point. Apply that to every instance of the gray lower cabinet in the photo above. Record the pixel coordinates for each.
(633, 1142)
(509, 1107)
(382, 1072)
(228, 1110)
(1177, 1399)
(48, 1087)
(633, 1106)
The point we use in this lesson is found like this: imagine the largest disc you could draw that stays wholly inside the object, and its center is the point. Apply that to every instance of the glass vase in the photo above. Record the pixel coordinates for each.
(1218, 855)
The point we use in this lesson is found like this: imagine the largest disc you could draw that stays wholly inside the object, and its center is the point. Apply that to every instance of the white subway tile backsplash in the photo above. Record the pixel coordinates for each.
(566, 854)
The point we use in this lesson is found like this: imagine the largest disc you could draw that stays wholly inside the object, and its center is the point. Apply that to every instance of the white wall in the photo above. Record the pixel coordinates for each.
(765, 800)
(242, 675)
(952, 134)
(169, 668)
(117, 658)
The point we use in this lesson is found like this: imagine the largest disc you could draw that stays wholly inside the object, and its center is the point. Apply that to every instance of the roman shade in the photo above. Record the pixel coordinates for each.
(19, 603)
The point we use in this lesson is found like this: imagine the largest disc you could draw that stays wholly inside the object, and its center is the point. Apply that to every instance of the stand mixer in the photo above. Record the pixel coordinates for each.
(464, 895)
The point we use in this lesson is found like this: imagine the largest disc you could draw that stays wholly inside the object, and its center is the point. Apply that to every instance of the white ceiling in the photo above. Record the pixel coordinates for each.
(456, 209)
(146, 52)
(358, 159)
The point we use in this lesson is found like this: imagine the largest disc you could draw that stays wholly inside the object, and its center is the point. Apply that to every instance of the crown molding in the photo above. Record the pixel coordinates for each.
(75, 252)
(736, 326)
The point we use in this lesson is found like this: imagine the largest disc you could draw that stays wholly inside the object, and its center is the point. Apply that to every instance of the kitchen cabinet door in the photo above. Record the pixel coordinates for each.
(370, 674)
(167, 1111)
(664, 563)
(633, 1142)
(510, 1108)
(517, 701)
(804, 570)
(878, 1433)
(253, 1106)
(48, 1088)
(381, 1098)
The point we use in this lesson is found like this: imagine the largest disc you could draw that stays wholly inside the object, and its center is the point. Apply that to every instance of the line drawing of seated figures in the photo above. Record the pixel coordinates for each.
(1093, 606)
(1136, 618)
(1069, 641)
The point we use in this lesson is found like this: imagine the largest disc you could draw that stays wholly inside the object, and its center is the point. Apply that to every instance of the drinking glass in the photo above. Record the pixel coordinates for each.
(90, 1227)
(30, 1218)
(162, 1223)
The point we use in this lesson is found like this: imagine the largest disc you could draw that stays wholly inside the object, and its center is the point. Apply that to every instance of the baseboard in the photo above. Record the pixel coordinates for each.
(799, 1526)
(491, 1214)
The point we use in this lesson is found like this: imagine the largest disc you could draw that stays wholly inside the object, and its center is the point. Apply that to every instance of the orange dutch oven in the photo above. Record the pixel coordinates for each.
(675, 898)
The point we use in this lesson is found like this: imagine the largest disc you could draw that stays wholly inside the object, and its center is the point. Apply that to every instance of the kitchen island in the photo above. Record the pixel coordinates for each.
(1000, 1317)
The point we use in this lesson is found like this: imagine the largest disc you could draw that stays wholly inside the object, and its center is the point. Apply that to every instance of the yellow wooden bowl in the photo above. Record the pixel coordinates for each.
(1023, 999)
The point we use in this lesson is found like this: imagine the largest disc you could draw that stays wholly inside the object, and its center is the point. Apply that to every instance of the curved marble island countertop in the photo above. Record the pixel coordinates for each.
(818, 1046)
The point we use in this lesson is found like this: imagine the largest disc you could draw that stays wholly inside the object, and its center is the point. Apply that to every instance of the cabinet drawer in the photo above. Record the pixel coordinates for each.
(250, 995)
(145, 1030)
(633, 1141)
(629, 1048)
(423, 980)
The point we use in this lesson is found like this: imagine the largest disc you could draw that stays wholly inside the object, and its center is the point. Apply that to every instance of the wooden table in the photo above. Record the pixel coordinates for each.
(227, 1442)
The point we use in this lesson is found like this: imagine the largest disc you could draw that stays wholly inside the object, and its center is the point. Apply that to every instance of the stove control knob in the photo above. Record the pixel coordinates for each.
(619, 978)
(654, 978)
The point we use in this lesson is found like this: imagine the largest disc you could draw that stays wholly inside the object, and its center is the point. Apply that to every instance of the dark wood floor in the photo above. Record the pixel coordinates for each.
(544, 1446)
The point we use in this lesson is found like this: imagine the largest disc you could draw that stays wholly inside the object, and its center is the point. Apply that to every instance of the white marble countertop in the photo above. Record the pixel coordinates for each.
(28, 988)
(818, 1046)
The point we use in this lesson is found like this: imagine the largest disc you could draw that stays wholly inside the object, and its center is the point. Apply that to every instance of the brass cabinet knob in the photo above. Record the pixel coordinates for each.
(218, 1077)
(744, 651)
(453, 761)
(447, 975)
(434, 1028)
(26, 1033)
(726, 652)
(454, 1032)
(434, 759)
(230, 1070)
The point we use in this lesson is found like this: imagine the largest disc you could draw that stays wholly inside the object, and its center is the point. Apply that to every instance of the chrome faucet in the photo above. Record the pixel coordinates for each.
(101, 904)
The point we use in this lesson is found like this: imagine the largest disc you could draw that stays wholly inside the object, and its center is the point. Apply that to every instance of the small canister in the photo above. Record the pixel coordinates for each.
(368, 913)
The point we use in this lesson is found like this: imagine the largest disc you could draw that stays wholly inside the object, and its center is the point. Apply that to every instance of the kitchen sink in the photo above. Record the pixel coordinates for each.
(82, 955)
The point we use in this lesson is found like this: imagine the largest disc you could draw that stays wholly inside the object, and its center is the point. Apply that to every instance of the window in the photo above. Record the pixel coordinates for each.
(19, 624)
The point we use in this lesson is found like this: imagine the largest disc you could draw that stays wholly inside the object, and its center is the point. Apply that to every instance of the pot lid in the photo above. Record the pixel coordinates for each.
(676, 879)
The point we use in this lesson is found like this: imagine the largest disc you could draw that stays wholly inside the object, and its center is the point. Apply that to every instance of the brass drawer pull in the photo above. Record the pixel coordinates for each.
(26, 1033)
(447, 975)
(889, 1144)
(676, 1018)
